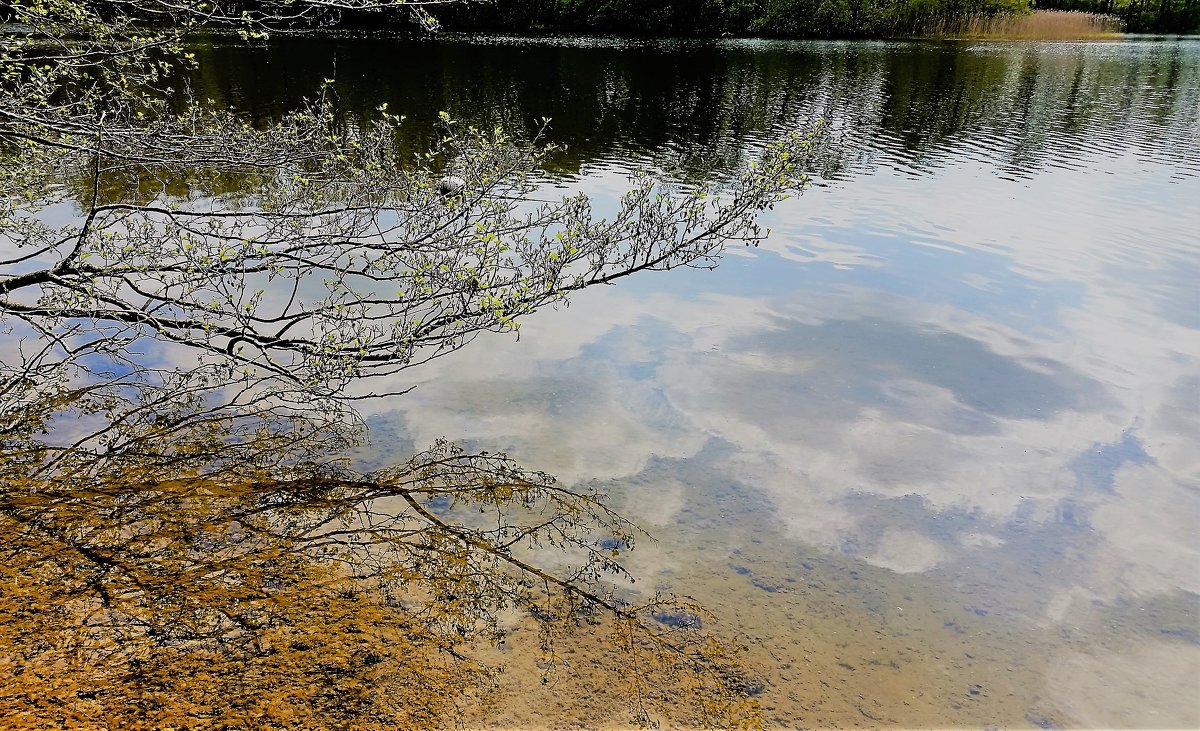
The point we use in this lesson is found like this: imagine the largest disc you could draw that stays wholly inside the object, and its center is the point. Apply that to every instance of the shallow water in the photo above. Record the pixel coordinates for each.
(932, 448)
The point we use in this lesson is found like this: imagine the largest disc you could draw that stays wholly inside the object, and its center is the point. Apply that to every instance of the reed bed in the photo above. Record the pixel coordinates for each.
(1043, 25)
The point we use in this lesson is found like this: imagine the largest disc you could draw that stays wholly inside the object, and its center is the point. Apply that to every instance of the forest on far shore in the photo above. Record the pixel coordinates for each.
(796, 18)
(848, 19)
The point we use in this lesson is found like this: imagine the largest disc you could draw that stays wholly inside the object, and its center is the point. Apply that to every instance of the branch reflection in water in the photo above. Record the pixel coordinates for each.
(172, 560)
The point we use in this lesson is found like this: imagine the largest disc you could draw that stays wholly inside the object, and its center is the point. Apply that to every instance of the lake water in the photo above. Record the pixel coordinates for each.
(932, 450)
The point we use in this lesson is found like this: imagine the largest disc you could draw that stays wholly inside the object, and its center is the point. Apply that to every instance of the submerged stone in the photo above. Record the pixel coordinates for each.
(685, 620)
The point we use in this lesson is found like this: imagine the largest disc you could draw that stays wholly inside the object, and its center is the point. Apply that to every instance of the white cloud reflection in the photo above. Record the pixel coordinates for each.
(1027, 380)
(838, 387)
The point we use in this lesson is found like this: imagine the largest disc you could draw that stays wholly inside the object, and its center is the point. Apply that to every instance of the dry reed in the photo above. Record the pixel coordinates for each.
(1048, 25)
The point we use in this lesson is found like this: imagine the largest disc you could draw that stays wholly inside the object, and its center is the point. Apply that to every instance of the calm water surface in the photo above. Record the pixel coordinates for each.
(932, 449)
